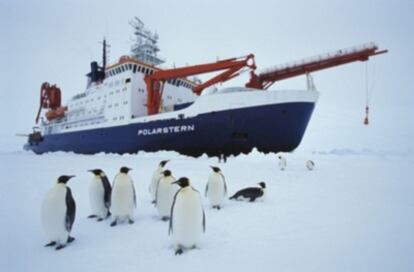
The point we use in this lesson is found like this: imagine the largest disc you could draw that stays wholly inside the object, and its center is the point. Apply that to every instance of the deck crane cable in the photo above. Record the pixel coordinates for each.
(369, 88)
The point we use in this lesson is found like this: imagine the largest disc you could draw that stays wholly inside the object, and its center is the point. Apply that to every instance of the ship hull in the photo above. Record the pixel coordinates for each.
(269, 128)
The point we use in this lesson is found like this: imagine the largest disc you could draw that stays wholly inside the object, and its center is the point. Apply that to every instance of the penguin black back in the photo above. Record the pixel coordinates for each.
(251, 193)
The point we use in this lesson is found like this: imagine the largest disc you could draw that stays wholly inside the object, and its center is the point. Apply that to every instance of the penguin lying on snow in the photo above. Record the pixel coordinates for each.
(251, 193)
(58, 213)
(187, 219)
(216, 188)
(123, 197)
(165, 194)
(310, 165)
(99, 195)
(154, 180)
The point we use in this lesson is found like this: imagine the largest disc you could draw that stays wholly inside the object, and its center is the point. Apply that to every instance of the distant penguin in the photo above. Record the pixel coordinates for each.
(282, 163)
(58, 213)
(310, 165)
(165, 194)
(251, 193)
(216, 188)
(154, 179)
(99, 195)
(187, 219)
(123, 197)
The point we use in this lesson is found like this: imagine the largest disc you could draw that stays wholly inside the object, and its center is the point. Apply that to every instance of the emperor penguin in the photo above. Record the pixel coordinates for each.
(310, 165)
(165, 194)
(123, 197)
(282, 163)
(187, 219)
(216, 188)
(58, 213)
(154, 180)
(99, 195)
(251, 193)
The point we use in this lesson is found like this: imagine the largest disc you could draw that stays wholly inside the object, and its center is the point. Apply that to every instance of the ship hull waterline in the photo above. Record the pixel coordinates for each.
(271, 128)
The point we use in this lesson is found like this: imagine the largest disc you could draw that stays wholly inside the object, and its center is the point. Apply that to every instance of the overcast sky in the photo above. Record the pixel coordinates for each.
(55, 41)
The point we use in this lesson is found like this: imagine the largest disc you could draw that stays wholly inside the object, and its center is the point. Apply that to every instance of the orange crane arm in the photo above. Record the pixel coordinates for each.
(361, 53)
(156, 81)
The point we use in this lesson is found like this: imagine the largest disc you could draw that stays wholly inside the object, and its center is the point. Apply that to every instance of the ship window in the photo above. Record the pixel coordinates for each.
(125, 88)
(135, 68)
(127, 80)
(121, 118)
(117, 91)
(130, 66)
(115, 118)
(125, 102)
(109, 106)
(116, 105)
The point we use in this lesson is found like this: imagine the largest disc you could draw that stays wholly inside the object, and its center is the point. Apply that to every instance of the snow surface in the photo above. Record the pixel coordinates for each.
(352, 213)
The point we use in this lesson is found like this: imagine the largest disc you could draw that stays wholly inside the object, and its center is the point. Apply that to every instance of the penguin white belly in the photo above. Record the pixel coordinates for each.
(188, 219)
(154, 180)
(54, 214)
(164, 198)
(216, 190)
(122, 198)
(96, 198)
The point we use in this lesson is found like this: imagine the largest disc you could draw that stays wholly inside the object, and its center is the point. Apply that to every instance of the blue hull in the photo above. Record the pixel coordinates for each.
(272, 128)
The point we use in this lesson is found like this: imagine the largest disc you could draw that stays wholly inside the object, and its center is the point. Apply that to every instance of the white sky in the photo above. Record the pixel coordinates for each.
(55, 41)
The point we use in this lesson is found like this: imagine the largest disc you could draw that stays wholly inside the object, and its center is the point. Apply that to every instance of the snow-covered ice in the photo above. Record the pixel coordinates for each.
(352, 213)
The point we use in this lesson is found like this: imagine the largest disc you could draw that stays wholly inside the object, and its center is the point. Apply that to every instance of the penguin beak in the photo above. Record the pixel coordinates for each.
(72, 176)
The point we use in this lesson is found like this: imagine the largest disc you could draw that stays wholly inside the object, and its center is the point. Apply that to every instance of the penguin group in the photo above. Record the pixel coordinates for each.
(176, 201)
(282, 163)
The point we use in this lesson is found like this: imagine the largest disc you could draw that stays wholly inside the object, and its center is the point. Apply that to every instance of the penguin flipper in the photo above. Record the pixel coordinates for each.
(204, 221)
(135, 195)
(205, 192)
(107, 191)
(170, 227)
(71, 210)
(225, 184)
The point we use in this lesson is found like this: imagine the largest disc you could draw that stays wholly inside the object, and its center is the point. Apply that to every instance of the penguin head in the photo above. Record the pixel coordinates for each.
(125, 169)
(64, 179)
(279, 157)
(166, 173)
(163, 163)
(96, 172)
(262, 184)
(182, 182)
(215, 169)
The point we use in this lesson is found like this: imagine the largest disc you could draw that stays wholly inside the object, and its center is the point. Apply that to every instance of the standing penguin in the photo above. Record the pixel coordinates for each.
(216, 188)
(154, 180)
(282, 163)
(123, 197)
(99, 195)
(187, 219)
(251, 193)
(58, 213)
(165, 194)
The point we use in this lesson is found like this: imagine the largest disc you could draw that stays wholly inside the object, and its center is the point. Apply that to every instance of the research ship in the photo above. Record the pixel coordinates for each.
(137, 105)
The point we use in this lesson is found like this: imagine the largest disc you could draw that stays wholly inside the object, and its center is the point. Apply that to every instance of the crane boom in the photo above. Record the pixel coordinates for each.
(358, 53)
(155, 81)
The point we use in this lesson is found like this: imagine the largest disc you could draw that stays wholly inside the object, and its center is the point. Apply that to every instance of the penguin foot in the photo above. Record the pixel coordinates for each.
(130, 221)
(53, 243)
(92, 216)
(165, 218)
(179, 251)
(70, 239)
(59, 247)
(217, 207)
(153, 202)
(99, 219)
(113, 224)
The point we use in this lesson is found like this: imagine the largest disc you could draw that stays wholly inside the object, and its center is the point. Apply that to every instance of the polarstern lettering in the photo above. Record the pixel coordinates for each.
(166, 130)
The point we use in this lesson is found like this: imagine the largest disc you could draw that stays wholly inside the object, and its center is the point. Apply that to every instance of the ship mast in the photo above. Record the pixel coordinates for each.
(145, 46)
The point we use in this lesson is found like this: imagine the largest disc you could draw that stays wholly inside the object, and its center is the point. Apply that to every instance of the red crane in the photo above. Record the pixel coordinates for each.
(155, 82)
(359, 53)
